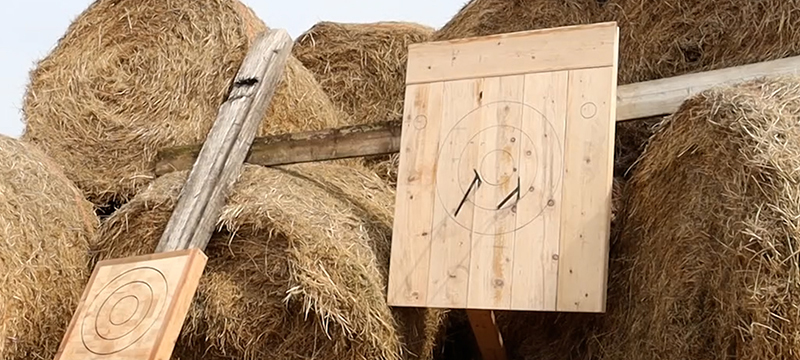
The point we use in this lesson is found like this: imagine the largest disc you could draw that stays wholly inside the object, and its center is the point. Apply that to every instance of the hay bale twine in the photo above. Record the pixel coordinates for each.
(130, 77)
(297, 268)
(45, 225)
(362, 67)
(706, 266)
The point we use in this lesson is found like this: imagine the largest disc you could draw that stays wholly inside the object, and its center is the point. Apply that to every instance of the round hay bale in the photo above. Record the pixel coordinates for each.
(297, 268)
(130, 77)
(668, 38)
(362, 67)
(489, 17)
(45, 226)
(706, 264)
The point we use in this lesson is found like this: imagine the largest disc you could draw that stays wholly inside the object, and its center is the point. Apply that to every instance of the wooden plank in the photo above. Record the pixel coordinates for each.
(415, 183)
(512, 53)
(133, 308)
(451, 240)
(307, 146)
(222, 155)
(586, 198)
(664, 96)
(634, 101)
(536, 255)
(487, 335)
(497, 160)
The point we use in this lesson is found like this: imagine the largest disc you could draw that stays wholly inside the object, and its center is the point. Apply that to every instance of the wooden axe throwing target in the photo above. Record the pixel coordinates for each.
(133, 308)
(504, 182)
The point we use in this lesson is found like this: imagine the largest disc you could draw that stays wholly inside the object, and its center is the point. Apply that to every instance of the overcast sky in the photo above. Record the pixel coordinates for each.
(29, 29)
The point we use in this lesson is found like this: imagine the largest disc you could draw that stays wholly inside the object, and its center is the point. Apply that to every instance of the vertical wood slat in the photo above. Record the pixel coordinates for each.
(496, 159)
(414, 214)
(221, 158)
(451, 242)
(587, 174)
(536, 248)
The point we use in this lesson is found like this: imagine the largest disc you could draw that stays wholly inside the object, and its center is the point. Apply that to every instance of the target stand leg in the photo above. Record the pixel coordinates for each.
(134, 308)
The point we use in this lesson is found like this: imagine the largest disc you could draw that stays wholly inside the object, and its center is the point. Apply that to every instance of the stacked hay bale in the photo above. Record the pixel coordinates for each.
(706, 264)
(297, 269)
(362, 67)
(131, 77)
(45, 226)
(298, 266)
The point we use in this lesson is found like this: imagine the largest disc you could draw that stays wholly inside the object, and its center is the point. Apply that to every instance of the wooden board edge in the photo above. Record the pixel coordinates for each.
(490, 38)
(421, 69)
(180, 305)
(147, 257)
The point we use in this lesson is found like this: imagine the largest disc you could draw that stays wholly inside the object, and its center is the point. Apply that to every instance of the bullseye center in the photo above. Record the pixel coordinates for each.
(123, 310)
(497, 167)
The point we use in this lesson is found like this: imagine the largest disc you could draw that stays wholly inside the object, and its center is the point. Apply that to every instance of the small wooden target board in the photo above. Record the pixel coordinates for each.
(133, 308)
(504, 181)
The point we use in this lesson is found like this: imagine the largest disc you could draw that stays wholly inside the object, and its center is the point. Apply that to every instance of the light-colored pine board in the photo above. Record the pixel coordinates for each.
(450, 245)
(415, 185)
(512, 53)
(522, 131)
(497, 133)
(585, 221)
(133, 308)
(664, 96)
(223, 153)
(536, 252)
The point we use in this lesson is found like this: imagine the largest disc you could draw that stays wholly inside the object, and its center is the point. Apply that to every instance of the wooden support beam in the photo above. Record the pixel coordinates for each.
(664, 96)
(634, 101)
(329, 144)
(487, 335)
(221, 157)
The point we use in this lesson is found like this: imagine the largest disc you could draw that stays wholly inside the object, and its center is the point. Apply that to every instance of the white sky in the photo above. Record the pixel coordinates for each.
(29, 29)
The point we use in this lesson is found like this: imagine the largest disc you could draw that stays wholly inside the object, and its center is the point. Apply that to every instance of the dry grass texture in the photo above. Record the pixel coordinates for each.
(706, 265)
(668, 38)
(301, 251)
(489, 17)
(362, 67)
(45, 225)
(130, 77)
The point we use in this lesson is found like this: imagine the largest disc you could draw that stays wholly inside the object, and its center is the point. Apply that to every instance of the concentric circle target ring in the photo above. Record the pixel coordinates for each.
(124, 310)
(527, 151)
